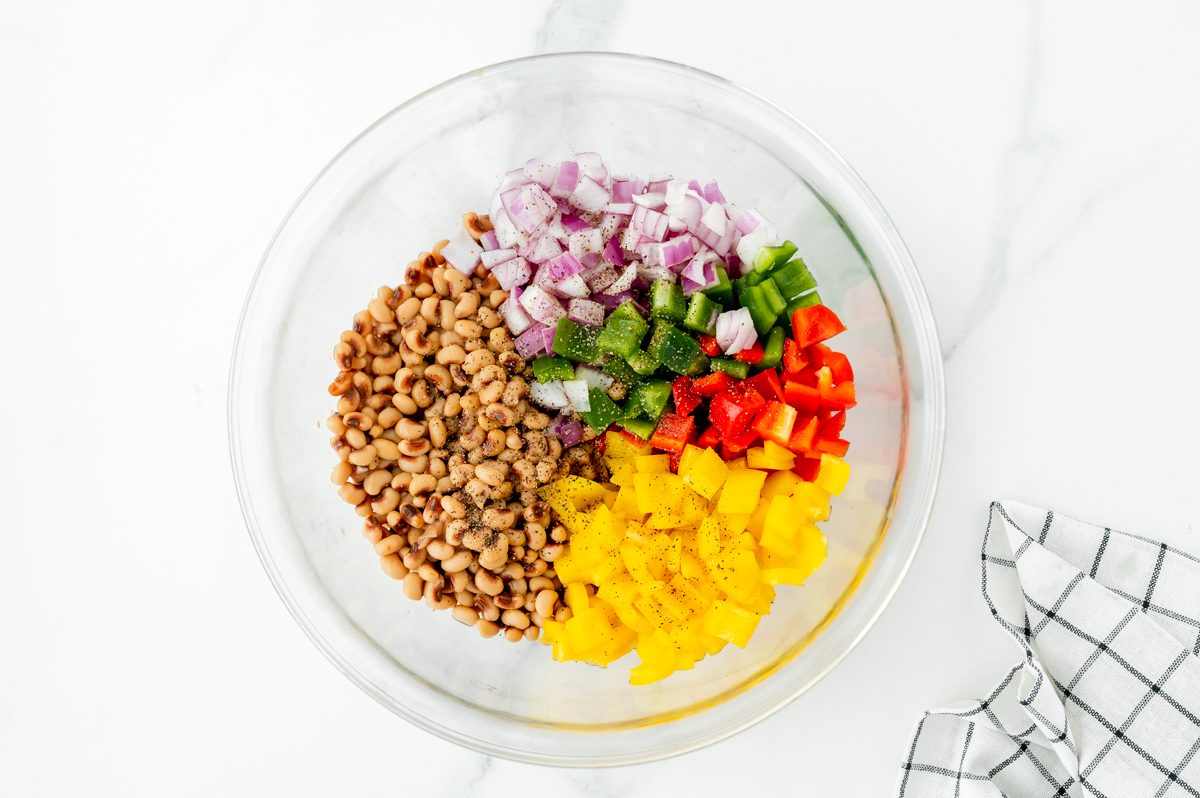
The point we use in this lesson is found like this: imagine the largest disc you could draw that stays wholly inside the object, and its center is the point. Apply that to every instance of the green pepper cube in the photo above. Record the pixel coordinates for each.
(678, 350)
(576, 341)
(803, 301)
(627, 310)
(603, 413)
(616, 367)
(652, 394)
(722, 292)
(644, 363)
(734, 368)
(699, 365)
(622, 336)
(552, 367)
(772, 350)
(770, 257)
(793, 279)
(641, 427)
(765, 303)
(702, 314)
(666, 301)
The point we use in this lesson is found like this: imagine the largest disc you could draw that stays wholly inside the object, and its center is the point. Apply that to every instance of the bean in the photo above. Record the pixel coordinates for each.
(536, 567)
(465, 615)
(514, 618)
(457, 563)
(385, 449)
(546, 601)
(413, 465)
(410, 430)
(414, 559)
(457, 283)
(379, 310)
(335, 425)
(429, 573)
(489, 583)
(552, 552)
(387, 501)
(352, 494)
(404, 404)
(341, 472)
(392, 566)
(532, 633)
(437, 600)
(490, 474)
(413, 586)
(363, 456)
(440, 550)
(446, 315)
(439, 282)
(487, 628)
(376, 481)
(401, 479)
(389, 545)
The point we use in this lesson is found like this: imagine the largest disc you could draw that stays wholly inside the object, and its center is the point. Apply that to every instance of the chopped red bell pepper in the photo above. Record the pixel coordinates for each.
(600, 443)
(676, 457)
(820, 355)
(775, 421)
(709, 438)
(832, 428)
(806, 468)
(804, 432)
(712, 384)
(839, 397)
(732, 411)
(802, 397)
(834, 446)
(735, 445)
(686, 399)
(708, 345)
(767, 384)
(751, 355)
(629, 436)
(815, 324)
(793, 356)
(672, 432)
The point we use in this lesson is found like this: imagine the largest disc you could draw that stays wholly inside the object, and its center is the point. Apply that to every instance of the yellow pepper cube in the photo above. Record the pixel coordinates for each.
(736, 573)
(658, 491)
(626, 506)
(759, 517)
(568, 568)
(833, 475)
(711, 644)
(657, 554)
(635, 558)
(708, 538)
(690, 453)
(730, 622)
(705, 472)
(611, 650)
(658, 658)
(780, 539)
(760, 601)
(577, 597)
(664, 519)
(623, 474)
(609, 568)
(653, 611)
(588, 629)
(610, 612)
(705, 588)
(631, 618)
(741, 490)
(638, 532)
(781, 483)
(693, 508)
(608, 530)
(674, 553)
(572, 492)
(685, 660)
(653, 463)
(812, 548)
(784, 516)
(736, 464)
(813, 500)
(552, 632)
(690, 567)
(688, 596)
(769, 456)
(745, 541)
(618, 447)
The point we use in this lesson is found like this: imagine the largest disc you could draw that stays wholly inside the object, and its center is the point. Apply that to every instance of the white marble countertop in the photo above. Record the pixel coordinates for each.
(1040, 160)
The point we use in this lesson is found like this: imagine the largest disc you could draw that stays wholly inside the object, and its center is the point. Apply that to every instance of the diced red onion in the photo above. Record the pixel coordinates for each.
(653, 273)
(700, 271)
(549, 395)
(731, 237)
(749, 221)
(658, 182)
(488, 241)
(573, 287)
(548, 338)
(493, 257)
(677, 251)
(462, 252)
(653, 200)
(573, 224)
(512, 273)
(694, 185)
(623, 191)
(567, 428)
(531, 207)
(590, 259)
(751, 243)
(541, 306)
(624, 281)
(566, 180)
(514, 314)
(531, 343)
(577, 395)
(610, 223)
(688, 210)
(612, 253)
(731, 333)
(544, 248)
(713, 194)
(619, 208)
(689, 286)
(600, 276)
(585, 311)
(564, 266)
(541, 173)
(506, 233)
(544, 278)
(594, 377)
(592, 165)
(629, 239)
(590, 195)
(585, 241)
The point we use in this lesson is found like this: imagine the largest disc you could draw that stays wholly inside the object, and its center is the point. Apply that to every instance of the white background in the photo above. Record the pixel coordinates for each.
(1040, 160)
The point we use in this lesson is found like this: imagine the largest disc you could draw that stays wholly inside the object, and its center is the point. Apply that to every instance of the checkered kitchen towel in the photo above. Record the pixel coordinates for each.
(1107, 700)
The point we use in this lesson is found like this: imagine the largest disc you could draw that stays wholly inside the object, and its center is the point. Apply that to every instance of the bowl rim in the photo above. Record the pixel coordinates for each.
(922, 503)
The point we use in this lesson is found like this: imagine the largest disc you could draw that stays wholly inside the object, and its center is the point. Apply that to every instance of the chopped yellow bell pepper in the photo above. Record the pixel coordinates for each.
(588, 629)
(611, 567)
(658, 491)
(736, 573)
(618, 447)
(610, 650)
(704, 472)
(653, 463)
(833, 475)
(736, 464)
(741, 490)
(652, 611)
(626, 507)
(657, 653)
(760, 601)
(623, 474)
(770, 455)
(636, 559)
(813, 500)
(577, 597)
(730, 622)
(781, 483)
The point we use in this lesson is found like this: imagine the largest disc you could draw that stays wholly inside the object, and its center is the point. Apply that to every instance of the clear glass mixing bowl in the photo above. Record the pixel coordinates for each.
(404, 184)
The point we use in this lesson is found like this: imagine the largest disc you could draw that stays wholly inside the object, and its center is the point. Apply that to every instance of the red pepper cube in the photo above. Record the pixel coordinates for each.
(807, 468)
(751, 355)
(775, 422)
(708, 345)
(794, 360)
(732, 411)
(839, 397)
(672, 432)
(815, 324)
(802, 397)
(686, 399)
(832, 428)
(735, 445)
(835, 446)
(804, 433)
(709, 439)
(820, 356)
(712, 384)
(767, 385)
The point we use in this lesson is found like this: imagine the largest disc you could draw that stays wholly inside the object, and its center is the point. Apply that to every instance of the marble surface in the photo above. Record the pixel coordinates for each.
(1039, 159)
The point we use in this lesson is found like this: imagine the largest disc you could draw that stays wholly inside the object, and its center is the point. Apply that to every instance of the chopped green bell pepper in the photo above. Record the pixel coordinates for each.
(576, 341)
(552, 367)
(616, 367)
(626, 310)
(772, 350)
(803, 301)
(770, 257)
(793, 279)
(702, 314)
(765, 303)
(666, 301)
(699, 366)
(622, 336)
(644, 363)
(641, 427)
(603, 413)
(653, 395)
(734, 368)
(722, 292)
(678, 350)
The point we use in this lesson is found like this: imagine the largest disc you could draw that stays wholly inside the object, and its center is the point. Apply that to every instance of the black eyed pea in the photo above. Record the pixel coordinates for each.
(424, 290)
(357, 344)
(458, 563)
(411, 430)
(466, 328)
(389, 545)
(379, 310)
(341, 472)
(429, 309)
(389, 417)
(363, 456)
(439, 282)
(501, 520)
(500, 341)
(514, 392)
(487, 628)
(376, 481)
(414, 448)
(335, 425)
(356, 437)
(363, 509)
(471, 404)
(488, 583)
(440, 550)
(437, 468)
(518, 587)
(372, 530)
(444, 485)
(532, 633)
(510, 601)
(413, 586)
(498, 413)
(468, 616)
(496, 298)
(458, 282)
(420, 394)
(352, 494)
(451, 354)
(404, 379)
(537, 567)
(386, 449)
(392, 566)
(491, 473)
(453, 405)
(460, 581)
(436, 599)
(513, 635)
(407, 310)
(535, 533)
(429, 573)
(455, 530)
(437, 432)
(401, 480)
(350, 401)
(387, 501)
(478, 360)
(512, 570)
(405, 404)
(514, 619)
(489, 318)
(446, 315)
(530, 606)
(421, 484)
(454, 507)
(384, 382)
(468, 303)
(552, 551)
(341, 447)
(486, 607)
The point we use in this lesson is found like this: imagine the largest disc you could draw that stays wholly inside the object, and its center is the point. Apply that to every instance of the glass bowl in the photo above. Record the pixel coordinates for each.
(403, 185)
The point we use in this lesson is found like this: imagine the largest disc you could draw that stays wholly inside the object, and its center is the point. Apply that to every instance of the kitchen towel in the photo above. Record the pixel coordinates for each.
(1106, 702)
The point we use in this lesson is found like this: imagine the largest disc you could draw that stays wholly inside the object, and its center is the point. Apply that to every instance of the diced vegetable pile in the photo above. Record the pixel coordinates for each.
(678, 565)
